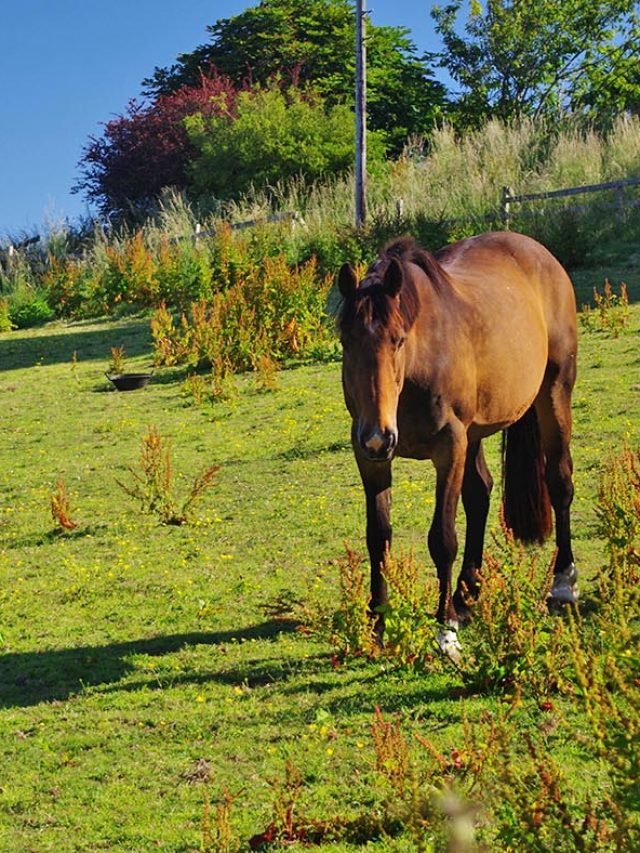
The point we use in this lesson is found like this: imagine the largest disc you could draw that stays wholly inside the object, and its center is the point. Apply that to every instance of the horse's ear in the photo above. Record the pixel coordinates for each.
(393, 277)
(347, 280)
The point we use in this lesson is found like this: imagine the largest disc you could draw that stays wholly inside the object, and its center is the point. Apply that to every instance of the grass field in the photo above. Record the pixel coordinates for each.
(148, 669)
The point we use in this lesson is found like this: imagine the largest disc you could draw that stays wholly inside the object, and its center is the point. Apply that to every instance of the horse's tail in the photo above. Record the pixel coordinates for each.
(525, 497)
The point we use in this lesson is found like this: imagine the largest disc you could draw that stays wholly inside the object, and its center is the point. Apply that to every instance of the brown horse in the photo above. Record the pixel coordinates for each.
(440, 351)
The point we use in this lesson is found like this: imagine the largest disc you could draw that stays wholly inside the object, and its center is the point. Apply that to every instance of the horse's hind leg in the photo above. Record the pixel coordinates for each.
(553, 407)
(476, 492)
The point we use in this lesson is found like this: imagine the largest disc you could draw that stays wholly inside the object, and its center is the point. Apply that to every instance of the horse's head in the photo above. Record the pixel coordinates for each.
(376, 318)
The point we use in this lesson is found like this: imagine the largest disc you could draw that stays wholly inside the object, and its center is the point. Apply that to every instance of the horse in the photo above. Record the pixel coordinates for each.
(440, 351)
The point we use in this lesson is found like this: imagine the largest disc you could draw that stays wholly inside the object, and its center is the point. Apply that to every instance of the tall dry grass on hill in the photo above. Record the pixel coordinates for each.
(440, 189)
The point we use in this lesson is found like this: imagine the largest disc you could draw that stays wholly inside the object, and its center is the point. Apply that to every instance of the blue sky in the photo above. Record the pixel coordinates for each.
(68, 65)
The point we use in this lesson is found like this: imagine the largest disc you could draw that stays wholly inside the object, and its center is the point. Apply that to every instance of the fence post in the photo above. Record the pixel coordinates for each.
(619, 209)
(505, 206)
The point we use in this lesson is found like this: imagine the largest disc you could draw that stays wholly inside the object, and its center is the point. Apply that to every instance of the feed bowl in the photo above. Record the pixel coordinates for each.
(129, 381)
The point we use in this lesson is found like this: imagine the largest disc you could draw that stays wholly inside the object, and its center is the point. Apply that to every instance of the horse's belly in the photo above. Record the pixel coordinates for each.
(504, 396)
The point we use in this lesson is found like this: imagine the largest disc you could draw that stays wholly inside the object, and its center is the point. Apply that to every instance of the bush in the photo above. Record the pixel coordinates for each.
(5, 321)
(269, 137)
(183, 273)
(28, 308)
(67, 284)
(272, 310)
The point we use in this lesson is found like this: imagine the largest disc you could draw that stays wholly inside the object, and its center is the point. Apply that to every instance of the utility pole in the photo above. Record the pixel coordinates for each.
(361, 114)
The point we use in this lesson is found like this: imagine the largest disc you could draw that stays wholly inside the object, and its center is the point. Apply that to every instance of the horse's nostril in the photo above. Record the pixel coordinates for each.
(374, 443)
(379, 445)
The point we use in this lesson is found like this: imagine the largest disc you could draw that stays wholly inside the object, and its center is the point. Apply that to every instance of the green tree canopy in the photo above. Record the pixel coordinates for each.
(270, 136)
(532, 57)
(313, 44)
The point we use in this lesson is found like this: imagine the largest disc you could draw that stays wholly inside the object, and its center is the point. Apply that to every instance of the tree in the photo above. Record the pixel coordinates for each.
(148, 148)
(312, 45)
(271, 135)
(610, 83)
(535, 57)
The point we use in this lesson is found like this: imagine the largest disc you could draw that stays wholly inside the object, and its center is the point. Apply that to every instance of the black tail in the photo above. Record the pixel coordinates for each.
(527, 508)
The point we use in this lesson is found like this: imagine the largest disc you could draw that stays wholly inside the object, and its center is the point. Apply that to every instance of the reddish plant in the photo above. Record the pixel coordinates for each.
(147, 147)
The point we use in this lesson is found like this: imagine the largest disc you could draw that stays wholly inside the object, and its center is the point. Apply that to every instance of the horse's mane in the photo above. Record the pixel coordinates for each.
(406, 250)
(371, 305)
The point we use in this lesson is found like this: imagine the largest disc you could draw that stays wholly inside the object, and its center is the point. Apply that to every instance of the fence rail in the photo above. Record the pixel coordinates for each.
(288, 216)
(508, 197)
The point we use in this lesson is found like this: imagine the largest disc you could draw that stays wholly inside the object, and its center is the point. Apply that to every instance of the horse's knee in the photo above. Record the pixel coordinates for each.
(443, 547)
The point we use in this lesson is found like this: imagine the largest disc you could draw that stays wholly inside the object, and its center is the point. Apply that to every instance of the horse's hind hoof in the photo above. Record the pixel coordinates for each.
(449, 644)
(564, 591)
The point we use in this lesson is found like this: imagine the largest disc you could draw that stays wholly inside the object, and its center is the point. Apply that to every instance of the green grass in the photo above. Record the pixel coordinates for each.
(132, 650)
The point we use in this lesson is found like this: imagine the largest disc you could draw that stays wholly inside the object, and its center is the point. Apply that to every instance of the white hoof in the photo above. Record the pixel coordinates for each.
(565, 587)
(449, 644)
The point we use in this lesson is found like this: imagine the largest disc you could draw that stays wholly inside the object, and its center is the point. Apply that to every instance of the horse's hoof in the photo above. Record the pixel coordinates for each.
(449, 644)
(564, 591)
(464, 612)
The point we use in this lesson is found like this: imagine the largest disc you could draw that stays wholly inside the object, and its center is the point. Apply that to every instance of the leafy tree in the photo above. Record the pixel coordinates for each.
(610, 83)
(312, 44)
(271, 135)
(533, 57)
(148, 148)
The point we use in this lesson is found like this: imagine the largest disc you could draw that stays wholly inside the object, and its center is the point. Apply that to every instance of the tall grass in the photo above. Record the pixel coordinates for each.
(439, 190)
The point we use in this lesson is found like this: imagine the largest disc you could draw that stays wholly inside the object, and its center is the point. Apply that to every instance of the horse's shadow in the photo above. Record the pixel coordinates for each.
(30, 678)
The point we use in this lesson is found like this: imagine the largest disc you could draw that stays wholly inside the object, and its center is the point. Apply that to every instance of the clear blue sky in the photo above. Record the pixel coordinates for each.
(68, 65)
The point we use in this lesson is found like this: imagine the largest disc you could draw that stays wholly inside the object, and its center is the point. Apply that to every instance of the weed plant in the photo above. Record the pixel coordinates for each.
(514, 644)
(618, 512)
(611, 314)
(117, 364)
(61, 508)
(152, 482)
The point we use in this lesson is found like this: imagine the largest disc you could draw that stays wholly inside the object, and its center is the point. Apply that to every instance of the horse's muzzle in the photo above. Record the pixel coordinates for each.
(378, 446)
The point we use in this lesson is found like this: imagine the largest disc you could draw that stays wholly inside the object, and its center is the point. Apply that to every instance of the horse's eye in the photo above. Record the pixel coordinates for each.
(397, 341)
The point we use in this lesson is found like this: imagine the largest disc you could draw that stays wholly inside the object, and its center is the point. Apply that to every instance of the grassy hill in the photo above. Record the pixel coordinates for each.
(156, 691)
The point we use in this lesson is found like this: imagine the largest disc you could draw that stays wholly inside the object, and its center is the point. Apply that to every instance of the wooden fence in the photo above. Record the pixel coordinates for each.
(621, 201)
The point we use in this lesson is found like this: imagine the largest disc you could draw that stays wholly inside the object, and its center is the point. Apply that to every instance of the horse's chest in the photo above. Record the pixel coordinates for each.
(421, 415)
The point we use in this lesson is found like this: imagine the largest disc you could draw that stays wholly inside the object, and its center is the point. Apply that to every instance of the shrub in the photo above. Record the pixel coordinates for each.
(183, 273)
(611, 314)
(67, 285)
(130, 274)
(28, 307)
(270, 136)
(5, 320)
(410, 627)
(272, 312)
(515, 644)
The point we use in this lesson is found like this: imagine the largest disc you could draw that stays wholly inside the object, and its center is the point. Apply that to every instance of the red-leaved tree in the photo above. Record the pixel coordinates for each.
(147, 148)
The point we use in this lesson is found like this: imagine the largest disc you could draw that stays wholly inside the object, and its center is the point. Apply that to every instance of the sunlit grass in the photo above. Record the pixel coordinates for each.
(132, 650)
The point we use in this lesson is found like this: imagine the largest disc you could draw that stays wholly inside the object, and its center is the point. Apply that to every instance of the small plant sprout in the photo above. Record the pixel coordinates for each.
(266, 370)
(217, 831)
(117, 360)
(74, 365)
(61, 508)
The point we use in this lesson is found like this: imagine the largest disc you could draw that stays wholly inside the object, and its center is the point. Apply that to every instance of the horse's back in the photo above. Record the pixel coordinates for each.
(505, 267)
(517, 315)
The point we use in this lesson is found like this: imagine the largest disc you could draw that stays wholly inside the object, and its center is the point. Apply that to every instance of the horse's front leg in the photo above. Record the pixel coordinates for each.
(449, 462)
(376, 479)
(476, 493)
